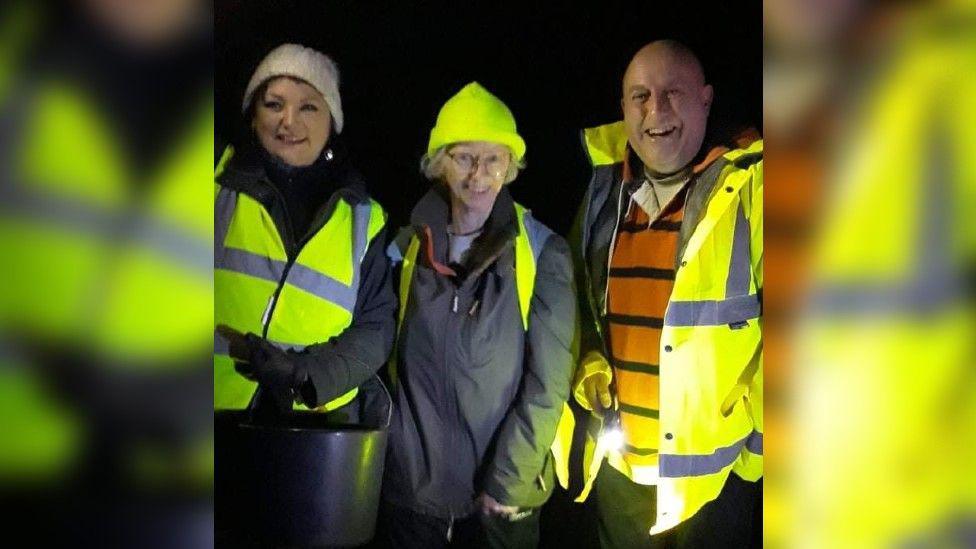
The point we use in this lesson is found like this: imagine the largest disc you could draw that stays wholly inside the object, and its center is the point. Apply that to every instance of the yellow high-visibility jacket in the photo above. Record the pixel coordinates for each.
(711, 345)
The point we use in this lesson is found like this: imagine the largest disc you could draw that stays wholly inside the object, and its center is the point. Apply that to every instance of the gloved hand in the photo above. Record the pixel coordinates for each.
(273, 369)
(593, 383)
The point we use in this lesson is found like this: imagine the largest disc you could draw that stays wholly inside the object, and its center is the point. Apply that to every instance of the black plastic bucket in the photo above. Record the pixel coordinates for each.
(304, 480)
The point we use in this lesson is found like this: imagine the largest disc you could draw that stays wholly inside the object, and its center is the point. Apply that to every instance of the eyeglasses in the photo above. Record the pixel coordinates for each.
(496, 164)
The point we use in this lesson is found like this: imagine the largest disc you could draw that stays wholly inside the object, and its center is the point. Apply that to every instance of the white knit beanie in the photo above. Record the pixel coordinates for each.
(308, 64)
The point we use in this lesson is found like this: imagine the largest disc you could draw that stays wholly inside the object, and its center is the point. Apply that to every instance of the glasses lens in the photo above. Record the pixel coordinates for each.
(464, 161)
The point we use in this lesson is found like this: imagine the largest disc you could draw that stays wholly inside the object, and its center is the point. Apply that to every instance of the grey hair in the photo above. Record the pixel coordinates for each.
(432, 164)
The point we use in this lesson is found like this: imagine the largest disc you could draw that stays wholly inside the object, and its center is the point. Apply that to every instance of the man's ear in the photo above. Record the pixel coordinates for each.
(707, 94)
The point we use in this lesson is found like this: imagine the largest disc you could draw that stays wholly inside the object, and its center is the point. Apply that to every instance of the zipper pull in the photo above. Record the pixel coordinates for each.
(542, 482)
(450, 528)
(454, 302)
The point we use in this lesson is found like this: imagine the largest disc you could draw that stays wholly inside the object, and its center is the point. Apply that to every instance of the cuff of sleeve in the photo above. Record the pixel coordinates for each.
(593, 364)
(496, 491)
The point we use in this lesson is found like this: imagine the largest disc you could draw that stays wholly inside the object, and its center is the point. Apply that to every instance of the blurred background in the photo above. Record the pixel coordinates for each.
(106, 287)
(110, 118)
(871, 270)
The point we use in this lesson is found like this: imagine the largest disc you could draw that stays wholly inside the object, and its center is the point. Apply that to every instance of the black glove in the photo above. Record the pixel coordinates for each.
(274, 370)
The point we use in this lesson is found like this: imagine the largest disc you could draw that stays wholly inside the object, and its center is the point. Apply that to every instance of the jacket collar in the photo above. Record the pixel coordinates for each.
(245, 173)
(430, 218)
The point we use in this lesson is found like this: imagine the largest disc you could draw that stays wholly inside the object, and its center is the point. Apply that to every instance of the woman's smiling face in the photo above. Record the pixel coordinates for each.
(292, 121)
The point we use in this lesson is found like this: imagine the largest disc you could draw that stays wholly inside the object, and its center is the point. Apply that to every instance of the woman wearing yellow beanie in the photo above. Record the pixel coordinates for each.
(482, 363)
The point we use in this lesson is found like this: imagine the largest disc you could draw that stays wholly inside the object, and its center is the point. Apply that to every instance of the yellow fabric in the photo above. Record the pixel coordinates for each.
(711, 375)
(606, 144)
(474, 114)
(593, 364)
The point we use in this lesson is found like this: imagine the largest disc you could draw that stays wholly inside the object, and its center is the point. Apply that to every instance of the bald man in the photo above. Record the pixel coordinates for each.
(668, 244)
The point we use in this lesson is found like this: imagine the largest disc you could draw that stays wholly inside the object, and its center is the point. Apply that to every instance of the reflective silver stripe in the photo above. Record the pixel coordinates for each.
(754, 443)
(740, 264)
(739, 304)
(328, 288)
(221, 345)
(673, 465)
(712, 313)
(303, 277)
(360, 235)
(223, 213)
(322, 286)
(250, 263)
(361, 214)
(126, 227)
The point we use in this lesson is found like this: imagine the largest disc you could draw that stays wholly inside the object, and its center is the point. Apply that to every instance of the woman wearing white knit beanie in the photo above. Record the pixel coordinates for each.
(303, 300)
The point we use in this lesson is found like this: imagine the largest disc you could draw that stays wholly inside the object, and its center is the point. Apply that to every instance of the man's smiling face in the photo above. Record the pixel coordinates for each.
(665, 104)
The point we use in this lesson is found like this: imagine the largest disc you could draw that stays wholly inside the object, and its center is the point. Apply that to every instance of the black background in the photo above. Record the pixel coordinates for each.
(556, 65)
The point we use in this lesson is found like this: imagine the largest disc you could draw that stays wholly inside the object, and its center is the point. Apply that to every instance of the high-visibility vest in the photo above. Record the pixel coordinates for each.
(120, 272)
(292, 303)
(529, 242)
(711, 419)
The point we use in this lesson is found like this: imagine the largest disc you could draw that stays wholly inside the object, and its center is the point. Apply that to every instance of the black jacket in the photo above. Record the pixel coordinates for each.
(349, 359)
(478, 398)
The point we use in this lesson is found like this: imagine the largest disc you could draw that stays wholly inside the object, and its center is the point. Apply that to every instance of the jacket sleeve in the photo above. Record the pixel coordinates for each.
(528, 431)
(346, 361)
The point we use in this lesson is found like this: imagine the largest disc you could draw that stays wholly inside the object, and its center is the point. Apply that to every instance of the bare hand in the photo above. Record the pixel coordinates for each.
(490, 506)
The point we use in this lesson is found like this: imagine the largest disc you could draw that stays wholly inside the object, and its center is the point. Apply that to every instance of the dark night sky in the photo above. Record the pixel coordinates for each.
(556, 65)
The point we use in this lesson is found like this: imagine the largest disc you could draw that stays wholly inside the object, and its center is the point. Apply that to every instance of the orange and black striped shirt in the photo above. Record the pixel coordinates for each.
(640, 283)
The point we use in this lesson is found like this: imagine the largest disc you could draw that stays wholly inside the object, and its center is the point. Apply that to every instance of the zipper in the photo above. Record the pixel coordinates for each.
(273, 300)
(450, 528)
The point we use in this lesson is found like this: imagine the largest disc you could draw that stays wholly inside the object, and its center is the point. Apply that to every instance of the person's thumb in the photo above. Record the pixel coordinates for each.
(605, 399)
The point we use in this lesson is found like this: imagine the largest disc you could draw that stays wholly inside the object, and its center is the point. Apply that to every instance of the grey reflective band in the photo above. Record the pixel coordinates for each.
(221, 345)
(303, 277)
(713, 313)
(739, 304)
(740, 264)
(754, 443)
(123, 228)
(323, 286)
(252, 264)
(223, 213)
(673, 465)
